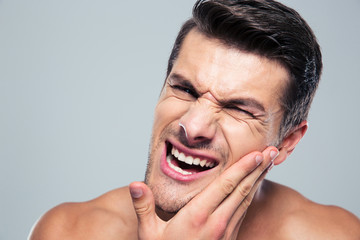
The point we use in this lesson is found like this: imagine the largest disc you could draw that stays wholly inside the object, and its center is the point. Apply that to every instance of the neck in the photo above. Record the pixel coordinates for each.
(163, 215)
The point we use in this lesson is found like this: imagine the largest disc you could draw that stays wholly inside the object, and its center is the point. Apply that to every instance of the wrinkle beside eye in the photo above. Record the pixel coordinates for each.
(256, 125)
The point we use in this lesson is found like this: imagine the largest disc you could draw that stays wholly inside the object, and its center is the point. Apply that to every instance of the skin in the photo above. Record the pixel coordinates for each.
(214, 76)
(230, 201)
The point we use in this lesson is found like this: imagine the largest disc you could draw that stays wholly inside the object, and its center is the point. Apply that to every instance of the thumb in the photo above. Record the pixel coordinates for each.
(144, 205)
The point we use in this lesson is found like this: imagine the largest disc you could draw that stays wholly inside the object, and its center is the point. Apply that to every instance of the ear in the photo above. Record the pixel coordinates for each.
(290, 141)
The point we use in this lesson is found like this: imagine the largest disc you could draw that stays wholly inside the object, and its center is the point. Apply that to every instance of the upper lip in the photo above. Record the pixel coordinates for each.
(193, 152)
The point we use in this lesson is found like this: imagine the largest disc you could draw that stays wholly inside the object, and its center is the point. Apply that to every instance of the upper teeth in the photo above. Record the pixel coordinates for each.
(190, 160)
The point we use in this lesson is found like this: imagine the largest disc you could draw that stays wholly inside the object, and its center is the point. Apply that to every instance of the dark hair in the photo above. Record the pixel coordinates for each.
(266, 28)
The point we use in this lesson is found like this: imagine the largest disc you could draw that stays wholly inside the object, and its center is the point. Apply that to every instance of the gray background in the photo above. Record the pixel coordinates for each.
(79, 81)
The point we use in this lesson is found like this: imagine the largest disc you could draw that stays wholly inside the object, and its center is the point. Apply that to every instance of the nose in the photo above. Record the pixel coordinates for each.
(199, 122)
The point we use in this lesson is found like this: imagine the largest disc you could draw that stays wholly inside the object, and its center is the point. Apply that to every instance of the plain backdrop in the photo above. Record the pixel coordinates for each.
(79, 81)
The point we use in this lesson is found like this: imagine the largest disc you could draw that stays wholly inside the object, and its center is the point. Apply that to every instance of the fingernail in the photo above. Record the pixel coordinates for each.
(274, 154)
(270, 167)
(259, 159)
(136, 193)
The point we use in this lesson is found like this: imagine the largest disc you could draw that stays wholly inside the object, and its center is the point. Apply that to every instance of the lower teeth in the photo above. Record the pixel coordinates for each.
(179, 170)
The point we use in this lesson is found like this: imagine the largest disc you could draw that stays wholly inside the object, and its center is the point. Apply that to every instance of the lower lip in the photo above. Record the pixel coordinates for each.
(168, 171)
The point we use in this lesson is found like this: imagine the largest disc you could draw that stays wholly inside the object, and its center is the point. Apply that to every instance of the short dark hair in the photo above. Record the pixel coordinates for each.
(266, 28)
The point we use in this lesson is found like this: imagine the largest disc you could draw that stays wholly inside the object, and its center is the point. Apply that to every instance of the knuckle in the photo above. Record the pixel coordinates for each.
(143, 209)
(228, 186)
(246, 202)
(221, 225)
(219, 229)
(199, 219)
(244, 190)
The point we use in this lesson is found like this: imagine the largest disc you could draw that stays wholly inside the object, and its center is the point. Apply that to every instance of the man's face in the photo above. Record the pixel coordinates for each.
(217, 105)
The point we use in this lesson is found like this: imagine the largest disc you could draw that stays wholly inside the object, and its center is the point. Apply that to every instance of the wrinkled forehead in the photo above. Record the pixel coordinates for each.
(224, 71)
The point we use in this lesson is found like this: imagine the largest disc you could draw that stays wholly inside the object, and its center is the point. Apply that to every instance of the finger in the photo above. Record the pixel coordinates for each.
(144, 205)
(224, 213)
(244, 191)
(223, 185)
(238, 216)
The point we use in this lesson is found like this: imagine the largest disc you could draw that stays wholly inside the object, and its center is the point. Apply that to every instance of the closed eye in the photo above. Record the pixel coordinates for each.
(185, 89)
(239, 110)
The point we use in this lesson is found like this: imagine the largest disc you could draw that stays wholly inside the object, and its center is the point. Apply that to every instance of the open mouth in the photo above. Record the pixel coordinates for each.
(187, 164)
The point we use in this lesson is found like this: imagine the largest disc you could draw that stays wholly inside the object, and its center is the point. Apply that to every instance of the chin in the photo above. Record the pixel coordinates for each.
(169, 196)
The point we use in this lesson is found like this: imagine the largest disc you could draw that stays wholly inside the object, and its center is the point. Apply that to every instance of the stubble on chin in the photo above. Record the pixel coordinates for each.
(167, 197)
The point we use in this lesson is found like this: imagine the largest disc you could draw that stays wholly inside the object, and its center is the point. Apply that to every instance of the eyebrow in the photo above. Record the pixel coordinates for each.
(250, 102)
(184, 82)
(177, 77)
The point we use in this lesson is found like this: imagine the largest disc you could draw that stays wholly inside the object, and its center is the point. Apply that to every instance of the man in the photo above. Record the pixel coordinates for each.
(240, 81)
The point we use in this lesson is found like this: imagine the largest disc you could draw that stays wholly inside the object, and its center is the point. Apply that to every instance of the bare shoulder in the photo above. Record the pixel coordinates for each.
(109, 216)
(300, 218)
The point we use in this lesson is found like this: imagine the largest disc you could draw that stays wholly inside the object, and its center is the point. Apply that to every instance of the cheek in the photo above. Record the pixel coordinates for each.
(167, 111)
(241, 138)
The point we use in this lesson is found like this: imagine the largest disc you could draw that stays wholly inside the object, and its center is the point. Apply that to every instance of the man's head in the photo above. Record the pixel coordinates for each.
(241, 77)
(269, 29)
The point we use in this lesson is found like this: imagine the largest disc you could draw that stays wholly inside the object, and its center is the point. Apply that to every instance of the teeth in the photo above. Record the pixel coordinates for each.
(196, 161)
(181, 157)
(190, 160)
(168, 159)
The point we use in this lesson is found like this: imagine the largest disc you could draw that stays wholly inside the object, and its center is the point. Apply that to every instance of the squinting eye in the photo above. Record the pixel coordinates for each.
(185, 89)
(239, 110)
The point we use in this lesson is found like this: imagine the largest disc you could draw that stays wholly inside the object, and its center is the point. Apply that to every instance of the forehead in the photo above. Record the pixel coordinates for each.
(227, 72)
